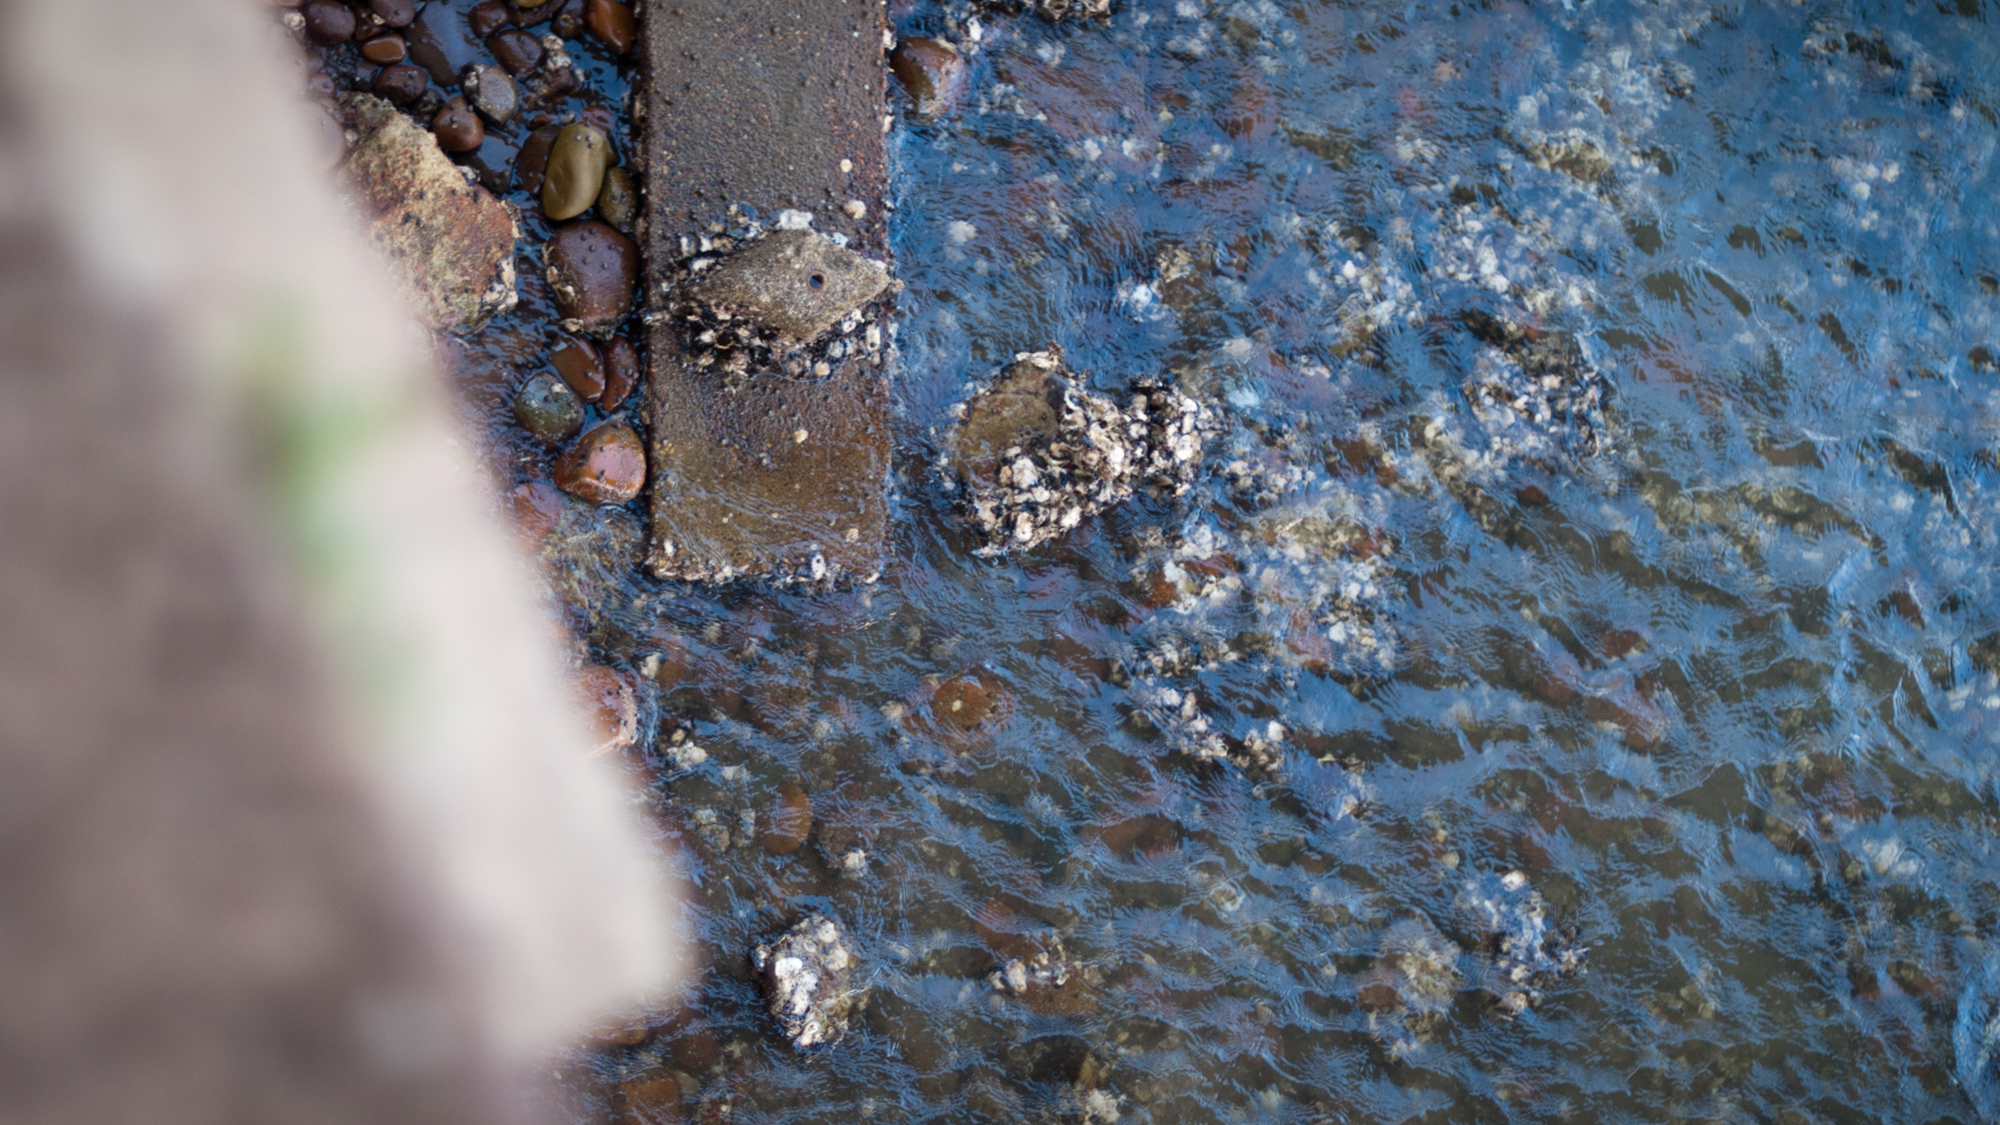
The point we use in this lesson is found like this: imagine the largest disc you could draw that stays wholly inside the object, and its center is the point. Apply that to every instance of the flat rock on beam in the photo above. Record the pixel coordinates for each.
(777, 106)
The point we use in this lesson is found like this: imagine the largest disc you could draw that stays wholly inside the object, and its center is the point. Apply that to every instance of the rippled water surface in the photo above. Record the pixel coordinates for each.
(1711, 663)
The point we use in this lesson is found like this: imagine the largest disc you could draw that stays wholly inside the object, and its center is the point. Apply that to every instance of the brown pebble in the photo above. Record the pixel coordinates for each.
(486, 17)
(613, 709)
(607, 465)
(789, 823)
(621, 372)
(531, 164)
(611, 21)
(385, 50)
(654, 1100)
(537, 507)
(933, 73)
(580, 366)
(515, 49)
(568, 21)
(457, 128)
(591, 271)
(618, 199)
(395, 13)
(401, 83)
(329, 22)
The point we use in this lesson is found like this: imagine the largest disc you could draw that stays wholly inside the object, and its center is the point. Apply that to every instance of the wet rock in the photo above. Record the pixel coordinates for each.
(1033, 451)
(457, 127)
(439, 44)
(577, 162)
(932, 73)
(618, 201)
(808, 979)
(452, 241)
(401, 84)
(681, 751)
(1529, 954)
(486, 17)
(621, 372)
(536, 506)
(592, 270)
(613, 709)
(611, 21)
(394, 13)
(516, 50)
(797, 284)
(568, 21)
(580, 365)
(789, 822)
(531, 163)
(328, 22)
(1535, 392)
(548, 409)
(605, 466)
(385, 50)
(653, 1100)
(1046, 978)
(492, 92)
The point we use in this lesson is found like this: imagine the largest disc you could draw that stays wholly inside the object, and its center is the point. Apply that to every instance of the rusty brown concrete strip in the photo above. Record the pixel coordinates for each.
(777, 104)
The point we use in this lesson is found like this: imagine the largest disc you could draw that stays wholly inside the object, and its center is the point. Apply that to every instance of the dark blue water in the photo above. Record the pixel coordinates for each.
(1571, 693)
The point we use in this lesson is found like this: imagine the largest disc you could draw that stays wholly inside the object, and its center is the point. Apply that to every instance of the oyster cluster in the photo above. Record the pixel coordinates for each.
(1529, 954)
(807, 975)
(1535, 392)
(1033, 451)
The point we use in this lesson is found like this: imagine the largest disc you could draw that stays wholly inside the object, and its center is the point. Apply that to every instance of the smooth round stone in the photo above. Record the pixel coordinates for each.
(329, 22)
(618, 200)
(591, 271)
(621, 372)
(395, 13)
(548, 409)
(385, 50)
(515, 49)
(401, 83)
(580, 366)
(611, 21)
(531, 163)
(457, 128)
(492, 91)
(577, 162)
(486, 17)
(605, 466)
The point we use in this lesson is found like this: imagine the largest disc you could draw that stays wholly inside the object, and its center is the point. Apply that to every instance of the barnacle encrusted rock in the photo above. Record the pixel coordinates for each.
(795, 284)
(1033, 451)
(1535, 391)
(451, 242)
(808, 980)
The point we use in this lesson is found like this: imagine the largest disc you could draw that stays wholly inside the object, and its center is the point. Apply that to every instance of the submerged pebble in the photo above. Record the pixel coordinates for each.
(931, 72)
(578, 362)
(621, 372)
(577, 163)
(492, 92)
(605, 466)
(592, 270)
(328, 22)
(516, 50)
(531, 163)
(789, 821)
(612, 22)
(385, 50)
(618, 201)
(457, 127)
(548, 409)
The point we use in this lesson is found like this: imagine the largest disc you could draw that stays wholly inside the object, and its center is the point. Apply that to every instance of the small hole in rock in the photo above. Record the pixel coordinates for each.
(817, 280)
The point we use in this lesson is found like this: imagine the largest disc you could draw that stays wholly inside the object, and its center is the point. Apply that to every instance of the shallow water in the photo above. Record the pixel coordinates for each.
(1714, 668)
